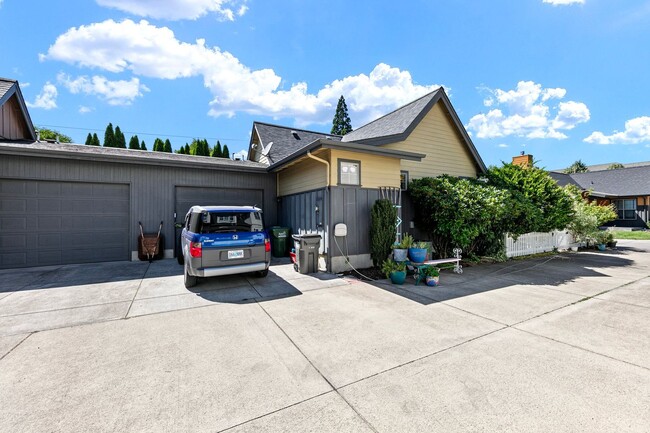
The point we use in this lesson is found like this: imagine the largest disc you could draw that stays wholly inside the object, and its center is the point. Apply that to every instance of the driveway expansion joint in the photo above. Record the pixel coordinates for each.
(16, 346)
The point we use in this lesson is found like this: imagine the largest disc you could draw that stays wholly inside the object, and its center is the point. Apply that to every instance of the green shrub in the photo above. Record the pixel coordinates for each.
(383, 217)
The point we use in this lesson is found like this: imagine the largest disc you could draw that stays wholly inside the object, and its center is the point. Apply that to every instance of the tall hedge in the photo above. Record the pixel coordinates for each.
(383, 218)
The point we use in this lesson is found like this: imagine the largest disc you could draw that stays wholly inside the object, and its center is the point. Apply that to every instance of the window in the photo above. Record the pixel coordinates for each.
(626, 209)
(403, 180)
(349, 172)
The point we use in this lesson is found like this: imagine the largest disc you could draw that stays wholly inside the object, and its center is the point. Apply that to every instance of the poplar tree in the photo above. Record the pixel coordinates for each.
(109, 136)
(95, 141)
(226, 152)
(143, 146)
(217, 152)
(341, 124)
(120, 140)
(167, 146)
(134, 143)
(89, 140)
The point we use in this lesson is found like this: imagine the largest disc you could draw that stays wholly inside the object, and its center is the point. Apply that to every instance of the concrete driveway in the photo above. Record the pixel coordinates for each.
(551, 344)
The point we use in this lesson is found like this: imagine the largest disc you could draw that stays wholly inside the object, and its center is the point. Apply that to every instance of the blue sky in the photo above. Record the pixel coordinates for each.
(560, 79)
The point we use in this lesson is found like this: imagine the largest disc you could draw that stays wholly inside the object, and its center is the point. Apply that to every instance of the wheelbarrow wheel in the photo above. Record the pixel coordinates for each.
(189, 280)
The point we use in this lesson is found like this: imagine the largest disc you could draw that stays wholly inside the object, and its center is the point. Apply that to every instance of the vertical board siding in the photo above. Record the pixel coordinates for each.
(12, 123)
(352, 206)
(152, 187)
(297, 211)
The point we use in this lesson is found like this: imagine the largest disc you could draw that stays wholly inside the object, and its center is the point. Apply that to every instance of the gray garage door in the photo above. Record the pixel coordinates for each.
(186, 197)
(51, 223)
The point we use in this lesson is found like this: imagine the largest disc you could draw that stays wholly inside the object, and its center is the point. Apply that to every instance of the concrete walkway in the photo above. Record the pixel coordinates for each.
(552, 344)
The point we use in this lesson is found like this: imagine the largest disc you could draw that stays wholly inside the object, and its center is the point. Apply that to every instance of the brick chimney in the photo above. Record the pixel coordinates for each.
(523, 160)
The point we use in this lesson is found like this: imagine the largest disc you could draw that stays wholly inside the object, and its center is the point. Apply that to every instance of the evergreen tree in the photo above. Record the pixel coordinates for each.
(181, 150)
(109, 136)
(217, 152)
(134, 143)
(158, 145)
(143, 146)
(226, 152)
(168, 146)
(89, 140)
(341, 124)
(187, 149)
(95, 141)
(577, 167)
(120, 140)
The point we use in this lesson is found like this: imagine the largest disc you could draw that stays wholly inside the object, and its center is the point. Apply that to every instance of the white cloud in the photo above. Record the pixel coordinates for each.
(527, 113)
(84, 110)
(503, 145)
(179, 9)
(564, 2)
(120, 92)
(637, 131)
(46, 99)
(155, 52)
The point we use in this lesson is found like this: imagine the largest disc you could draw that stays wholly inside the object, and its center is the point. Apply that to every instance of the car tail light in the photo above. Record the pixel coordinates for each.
(195, 249)
(267, 245)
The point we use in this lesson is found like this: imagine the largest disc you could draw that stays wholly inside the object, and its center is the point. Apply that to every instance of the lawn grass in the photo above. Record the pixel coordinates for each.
(636, 235)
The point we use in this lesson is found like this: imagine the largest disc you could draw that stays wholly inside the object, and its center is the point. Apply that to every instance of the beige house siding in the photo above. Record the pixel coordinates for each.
(305, 175)
(436, 136)
(12, 123)
(376, 170)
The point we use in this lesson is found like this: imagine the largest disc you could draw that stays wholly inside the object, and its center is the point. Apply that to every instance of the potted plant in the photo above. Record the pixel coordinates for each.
(418, 252)
(611, 242)
(400, 250)
(431, 275)
(395, 271)
(601, 239)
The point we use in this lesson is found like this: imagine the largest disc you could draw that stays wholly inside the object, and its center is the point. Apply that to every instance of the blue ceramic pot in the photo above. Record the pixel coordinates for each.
(418, 255)
(398, 277)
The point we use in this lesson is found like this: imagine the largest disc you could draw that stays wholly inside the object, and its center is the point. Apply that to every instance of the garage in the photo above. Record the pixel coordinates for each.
(52, 222)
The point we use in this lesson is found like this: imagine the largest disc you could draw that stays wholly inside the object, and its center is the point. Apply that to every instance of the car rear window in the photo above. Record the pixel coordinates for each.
(225, 222)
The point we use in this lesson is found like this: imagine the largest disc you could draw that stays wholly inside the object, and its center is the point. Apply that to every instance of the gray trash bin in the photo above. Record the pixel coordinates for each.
(307, 246)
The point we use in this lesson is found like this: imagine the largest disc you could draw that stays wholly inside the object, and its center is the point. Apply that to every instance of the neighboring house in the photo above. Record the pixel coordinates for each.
(324, 180)
(69, 203)
(627, 188)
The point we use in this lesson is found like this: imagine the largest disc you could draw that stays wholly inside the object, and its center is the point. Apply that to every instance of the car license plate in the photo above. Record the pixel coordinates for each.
(236, 254)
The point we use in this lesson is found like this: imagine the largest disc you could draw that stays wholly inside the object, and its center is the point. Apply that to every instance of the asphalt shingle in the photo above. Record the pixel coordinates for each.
(285, 142)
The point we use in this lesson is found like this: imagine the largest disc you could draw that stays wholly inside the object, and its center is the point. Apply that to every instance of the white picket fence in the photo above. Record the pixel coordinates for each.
(533, 243)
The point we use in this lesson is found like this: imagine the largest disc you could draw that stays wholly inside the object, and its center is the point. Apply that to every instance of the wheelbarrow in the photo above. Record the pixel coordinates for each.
(150, 244)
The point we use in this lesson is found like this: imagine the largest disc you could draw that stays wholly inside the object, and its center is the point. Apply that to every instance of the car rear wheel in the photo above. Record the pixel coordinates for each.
(190, 280)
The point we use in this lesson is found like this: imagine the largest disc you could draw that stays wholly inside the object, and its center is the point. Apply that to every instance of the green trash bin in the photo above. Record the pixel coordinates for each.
(279, 241)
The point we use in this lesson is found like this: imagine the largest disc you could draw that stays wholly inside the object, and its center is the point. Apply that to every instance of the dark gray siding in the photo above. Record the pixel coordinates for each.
(351, 206)
(152, 188)
(298, 211)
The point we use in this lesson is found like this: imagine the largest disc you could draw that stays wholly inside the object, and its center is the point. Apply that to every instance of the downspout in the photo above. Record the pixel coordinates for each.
(329, 207)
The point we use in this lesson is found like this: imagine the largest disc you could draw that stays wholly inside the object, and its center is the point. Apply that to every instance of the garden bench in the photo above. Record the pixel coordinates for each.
(457, 267)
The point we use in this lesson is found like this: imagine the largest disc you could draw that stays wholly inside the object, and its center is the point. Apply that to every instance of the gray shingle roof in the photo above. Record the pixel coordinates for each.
(96, 153)
(601, 167)
(394, 123)
(632, 181)
(5, 85)
(286, 143)
(563, 179)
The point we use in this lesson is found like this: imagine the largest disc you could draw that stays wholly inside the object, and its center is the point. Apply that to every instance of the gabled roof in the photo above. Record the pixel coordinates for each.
(563, 179)
(352, 147)
(397, 125)
(9, 88)
(622, 182)
(286, 140)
